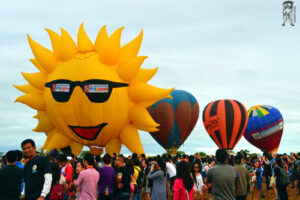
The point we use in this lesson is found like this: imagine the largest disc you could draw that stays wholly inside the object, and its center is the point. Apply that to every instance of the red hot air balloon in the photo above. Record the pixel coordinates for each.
(225, 121)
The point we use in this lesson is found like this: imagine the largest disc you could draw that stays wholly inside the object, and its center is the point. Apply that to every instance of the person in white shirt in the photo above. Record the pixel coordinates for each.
(198, 181)
(171, 171)
(211, 162)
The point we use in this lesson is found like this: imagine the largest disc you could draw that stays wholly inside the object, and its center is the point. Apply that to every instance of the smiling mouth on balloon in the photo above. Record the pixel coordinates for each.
(88, 133)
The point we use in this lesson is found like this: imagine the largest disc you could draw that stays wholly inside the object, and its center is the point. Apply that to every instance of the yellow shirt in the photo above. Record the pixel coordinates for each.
(137, 170)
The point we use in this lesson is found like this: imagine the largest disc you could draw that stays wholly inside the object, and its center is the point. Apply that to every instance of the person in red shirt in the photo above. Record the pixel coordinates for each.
(66, 170)
(183, 185)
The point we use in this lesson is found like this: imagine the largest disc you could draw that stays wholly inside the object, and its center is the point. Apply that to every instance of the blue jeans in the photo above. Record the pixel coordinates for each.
(66, 196)
(137, 194)
(282, 192)
(298, 184)
(293, 181)
(123, 196)
(241, 197)
(172, 182)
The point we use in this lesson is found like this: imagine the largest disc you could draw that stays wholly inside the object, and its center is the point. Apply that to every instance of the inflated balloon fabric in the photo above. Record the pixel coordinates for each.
(93, 94)
(225, 121)
(177, 118)
(265, 127)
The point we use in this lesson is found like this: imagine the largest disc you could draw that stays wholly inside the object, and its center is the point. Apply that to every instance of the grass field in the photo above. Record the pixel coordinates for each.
(293, 194)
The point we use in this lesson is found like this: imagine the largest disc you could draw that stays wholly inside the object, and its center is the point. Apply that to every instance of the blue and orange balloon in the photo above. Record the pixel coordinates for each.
(177, 118)
(265, 127)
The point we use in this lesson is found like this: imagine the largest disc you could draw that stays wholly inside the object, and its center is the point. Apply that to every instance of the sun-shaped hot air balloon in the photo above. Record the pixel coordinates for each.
(91, 94)
(225, 121)
(265, 127)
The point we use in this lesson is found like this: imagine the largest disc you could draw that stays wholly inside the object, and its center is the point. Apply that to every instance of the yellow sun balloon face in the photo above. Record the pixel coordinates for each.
(78, 110)
(91, 94)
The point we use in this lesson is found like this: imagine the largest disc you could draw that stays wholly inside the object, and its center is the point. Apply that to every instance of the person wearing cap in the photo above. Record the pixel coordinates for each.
(66, 169)
(11, 178)
(243, 180)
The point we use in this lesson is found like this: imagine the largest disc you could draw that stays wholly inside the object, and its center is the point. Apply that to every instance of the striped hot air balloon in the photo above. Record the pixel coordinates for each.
(265, 127)
(225, 121)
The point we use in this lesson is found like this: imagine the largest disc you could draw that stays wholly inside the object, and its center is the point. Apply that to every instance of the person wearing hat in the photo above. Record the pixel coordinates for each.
(243, 180)
(288, 12)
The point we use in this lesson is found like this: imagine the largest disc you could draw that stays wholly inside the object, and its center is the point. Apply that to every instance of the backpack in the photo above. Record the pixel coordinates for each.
(139, 180)
(284, 178)
(56, 192)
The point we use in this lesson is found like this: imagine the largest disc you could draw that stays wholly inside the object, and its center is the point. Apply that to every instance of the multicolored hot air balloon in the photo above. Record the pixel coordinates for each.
(265, 127)
(177, 118)
(225, 121)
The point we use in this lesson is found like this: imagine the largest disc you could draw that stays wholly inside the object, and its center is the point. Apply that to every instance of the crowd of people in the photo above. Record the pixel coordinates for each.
(27, 175)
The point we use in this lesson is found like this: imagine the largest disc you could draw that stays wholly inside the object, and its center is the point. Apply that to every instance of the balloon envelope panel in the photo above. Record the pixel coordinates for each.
(225, 122)
(177, 118)
(265, 127)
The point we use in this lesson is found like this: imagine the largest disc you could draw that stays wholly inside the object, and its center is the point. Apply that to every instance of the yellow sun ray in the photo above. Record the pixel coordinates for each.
(43, 55)
(101, 39)
(113, 146)
(146, 128)
(33, 100)
(58, 141)
(140, 92)
(135, 116)
(38, 114)
(55, 41)
(129, 69)
(110, 52)
(37, 65)
(131, 49)
(84, 43)
(76, 148)
(68, 47)
(144, 75)
(27, 88)
(50, 135)
(133, 145)
(147, 104)
(45, 124)
(37, 79)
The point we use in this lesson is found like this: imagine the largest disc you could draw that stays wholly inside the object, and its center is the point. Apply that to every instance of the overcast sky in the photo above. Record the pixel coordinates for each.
(226, 49)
